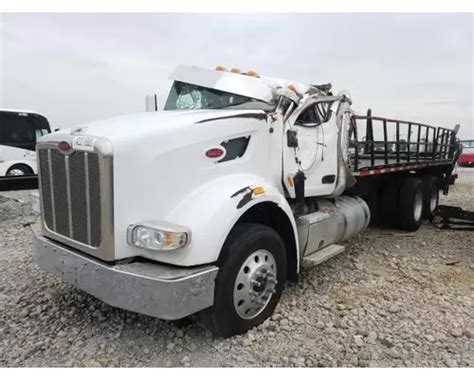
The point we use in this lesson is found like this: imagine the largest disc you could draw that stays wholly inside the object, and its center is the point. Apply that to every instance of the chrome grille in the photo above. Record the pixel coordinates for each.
(71, 194)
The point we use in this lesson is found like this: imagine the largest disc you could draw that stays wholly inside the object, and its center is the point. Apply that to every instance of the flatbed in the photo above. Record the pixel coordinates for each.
(381, 145)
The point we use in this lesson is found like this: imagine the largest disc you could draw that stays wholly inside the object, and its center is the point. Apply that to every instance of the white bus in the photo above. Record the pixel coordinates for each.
(19, 131)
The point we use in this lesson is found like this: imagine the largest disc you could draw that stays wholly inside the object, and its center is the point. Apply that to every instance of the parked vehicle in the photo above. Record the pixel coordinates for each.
(466, 158)
(19, 131)
(211, 205)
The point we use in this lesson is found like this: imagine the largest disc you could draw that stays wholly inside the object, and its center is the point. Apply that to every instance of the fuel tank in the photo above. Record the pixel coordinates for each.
(335, 221)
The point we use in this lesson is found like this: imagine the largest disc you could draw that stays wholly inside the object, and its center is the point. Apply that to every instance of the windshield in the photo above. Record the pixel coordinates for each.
(190, 96)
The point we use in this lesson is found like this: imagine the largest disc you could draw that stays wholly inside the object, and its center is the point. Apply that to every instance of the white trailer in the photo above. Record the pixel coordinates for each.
(211, 205)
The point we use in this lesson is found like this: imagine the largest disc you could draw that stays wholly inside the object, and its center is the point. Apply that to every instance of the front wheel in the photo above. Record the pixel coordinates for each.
(19, 170)
(251, 278)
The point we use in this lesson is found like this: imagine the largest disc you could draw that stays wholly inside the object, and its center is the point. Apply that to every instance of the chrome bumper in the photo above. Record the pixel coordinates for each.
(156, 290)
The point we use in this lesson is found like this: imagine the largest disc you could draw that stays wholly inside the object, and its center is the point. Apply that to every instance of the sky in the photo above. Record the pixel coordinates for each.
(75, 68)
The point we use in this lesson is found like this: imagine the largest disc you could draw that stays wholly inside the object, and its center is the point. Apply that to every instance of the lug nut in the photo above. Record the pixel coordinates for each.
(256, 283)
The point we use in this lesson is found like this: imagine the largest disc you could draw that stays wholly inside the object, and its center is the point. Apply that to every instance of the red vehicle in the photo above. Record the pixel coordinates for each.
(467, 156)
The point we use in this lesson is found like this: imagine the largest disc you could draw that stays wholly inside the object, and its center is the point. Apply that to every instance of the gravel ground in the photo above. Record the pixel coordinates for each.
(392, 299)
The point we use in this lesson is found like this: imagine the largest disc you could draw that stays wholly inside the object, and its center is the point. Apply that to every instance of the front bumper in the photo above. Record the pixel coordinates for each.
(156, 290)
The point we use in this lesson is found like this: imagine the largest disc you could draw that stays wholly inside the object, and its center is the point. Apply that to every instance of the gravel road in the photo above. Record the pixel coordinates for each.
(392, 299)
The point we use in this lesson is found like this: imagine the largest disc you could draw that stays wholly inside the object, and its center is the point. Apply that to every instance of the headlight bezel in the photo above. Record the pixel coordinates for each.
(171, 236)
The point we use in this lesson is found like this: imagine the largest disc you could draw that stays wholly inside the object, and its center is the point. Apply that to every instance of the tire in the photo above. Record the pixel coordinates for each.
(374, 202)
(430, 196)
(410, 203)
(19, 170)
(389, 204)
(234, 311)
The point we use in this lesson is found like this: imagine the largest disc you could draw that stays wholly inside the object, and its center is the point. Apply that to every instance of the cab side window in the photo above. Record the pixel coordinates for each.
(315, 114)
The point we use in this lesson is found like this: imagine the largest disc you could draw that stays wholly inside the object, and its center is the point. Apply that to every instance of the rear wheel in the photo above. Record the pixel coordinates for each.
(19, 170)
(389, 205)
(374, 202)
(251, 278)
(410, 204)
(431, 196)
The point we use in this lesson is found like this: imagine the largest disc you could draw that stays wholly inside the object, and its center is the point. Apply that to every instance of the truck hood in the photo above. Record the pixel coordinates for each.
(156, 123)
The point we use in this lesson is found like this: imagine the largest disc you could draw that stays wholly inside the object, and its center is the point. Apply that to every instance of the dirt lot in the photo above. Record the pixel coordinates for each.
(392, 299)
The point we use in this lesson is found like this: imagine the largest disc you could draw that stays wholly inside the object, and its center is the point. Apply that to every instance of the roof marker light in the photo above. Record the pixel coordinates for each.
(235, 70)
(252, 73)
(220, 68)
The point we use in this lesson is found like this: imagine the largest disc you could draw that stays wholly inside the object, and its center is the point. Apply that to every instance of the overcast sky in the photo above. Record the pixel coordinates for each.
(75, 68)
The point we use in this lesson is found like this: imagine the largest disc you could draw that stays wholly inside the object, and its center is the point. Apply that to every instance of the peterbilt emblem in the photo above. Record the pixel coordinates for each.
(83, 143)
(64, 146)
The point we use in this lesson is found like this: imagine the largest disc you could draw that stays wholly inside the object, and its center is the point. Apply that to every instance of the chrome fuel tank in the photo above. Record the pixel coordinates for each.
(335, 221)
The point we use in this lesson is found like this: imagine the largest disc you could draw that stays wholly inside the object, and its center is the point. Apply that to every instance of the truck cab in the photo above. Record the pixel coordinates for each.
(207, 207)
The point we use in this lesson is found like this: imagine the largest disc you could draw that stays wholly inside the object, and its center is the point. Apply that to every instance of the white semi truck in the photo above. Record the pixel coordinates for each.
(209, 206)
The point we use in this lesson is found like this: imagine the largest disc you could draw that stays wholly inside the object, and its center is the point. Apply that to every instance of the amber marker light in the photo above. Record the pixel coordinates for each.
(258, 191)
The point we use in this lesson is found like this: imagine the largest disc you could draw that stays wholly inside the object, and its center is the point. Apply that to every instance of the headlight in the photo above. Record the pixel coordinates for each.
(158, 235)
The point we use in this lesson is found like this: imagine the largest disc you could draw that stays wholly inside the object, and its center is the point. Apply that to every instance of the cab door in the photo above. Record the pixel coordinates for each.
(313, 128)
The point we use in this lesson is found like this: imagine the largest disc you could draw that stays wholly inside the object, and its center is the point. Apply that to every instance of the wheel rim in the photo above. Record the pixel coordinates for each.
(16, 172)
(418, 205)
(433, 199)
(255, 284)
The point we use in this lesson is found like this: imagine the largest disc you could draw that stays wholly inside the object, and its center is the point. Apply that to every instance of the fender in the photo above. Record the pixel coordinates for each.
(211, 211)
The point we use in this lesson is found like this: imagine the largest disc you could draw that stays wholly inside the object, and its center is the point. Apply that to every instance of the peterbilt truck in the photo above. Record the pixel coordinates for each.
(209, 206)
